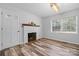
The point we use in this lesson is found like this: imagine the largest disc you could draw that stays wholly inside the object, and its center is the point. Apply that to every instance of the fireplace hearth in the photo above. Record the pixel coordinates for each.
(31, 36)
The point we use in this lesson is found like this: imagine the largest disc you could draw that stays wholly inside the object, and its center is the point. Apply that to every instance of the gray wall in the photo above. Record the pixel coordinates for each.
(67, 37)
(23, 17)
(0, 28)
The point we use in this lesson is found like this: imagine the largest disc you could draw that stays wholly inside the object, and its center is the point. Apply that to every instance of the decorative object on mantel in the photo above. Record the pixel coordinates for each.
(31, 25)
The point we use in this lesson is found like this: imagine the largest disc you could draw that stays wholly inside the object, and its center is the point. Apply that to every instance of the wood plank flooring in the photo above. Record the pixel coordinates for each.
(43, 47)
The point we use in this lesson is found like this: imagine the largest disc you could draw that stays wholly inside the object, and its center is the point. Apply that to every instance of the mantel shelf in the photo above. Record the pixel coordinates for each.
(30, 25)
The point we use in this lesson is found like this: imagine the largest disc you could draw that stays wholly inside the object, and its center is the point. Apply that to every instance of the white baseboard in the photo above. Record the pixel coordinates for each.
(63, 41)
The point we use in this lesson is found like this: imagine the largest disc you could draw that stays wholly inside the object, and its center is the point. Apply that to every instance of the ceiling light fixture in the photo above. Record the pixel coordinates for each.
(55, 6)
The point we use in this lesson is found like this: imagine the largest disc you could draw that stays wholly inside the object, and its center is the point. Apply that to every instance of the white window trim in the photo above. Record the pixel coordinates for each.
(67, 31)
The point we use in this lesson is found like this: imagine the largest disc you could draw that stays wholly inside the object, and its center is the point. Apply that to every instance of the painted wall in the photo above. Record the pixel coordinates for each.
(24, 17)
(67, 37)
(0, 29)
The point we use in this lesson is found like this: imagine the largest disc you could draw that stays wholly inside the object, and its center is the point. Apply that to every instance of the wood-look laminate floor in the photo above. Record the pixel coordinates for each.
(43, 47)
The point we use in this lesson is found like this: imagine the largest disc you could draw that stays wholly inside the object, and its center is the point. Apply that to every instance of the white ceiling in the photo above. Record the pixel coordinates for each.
(42, 9)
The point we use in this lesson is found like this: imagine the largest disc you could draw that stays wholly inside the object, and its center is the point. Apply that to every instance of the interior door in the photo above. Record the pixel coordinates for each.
(10, 30)
(15, 30)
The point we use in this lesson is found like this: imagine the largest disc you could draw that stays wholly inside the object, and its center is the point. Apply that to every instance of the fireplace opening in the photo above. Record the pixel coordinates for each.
(31, 36)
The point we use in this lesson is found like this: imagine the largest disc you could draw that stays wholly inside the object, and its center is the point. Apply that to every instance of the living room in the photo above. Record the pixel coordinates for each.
(39, 29)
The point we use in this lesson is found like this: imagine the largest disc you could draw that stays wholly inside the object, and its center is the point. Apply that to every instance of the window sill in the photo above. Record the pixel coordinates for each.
(66, 32)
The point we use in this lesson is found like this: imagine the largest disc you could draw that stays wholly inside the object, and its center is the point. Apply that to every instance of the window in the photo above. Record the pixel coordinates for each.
(67, 25)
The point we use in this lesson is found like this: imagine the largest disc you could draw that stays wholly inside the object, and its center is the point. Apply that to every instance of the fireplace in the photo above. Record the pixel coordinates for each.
(31, 36)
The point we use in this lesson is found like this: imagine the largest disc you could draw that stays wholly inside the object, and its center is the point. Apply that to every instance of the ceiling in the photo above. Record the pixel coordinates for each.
(41, 9)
